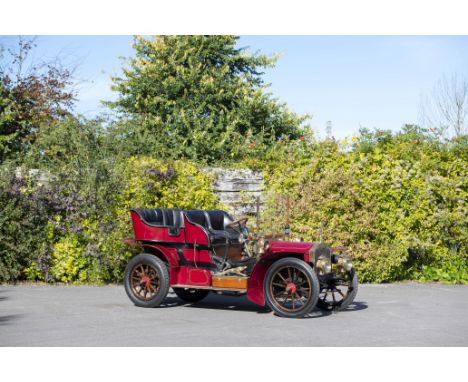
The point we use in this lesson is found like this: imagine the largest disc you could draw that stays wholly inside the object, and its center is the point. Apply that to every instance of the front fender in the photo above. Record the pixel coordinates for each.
(255, 284)
(276, 250)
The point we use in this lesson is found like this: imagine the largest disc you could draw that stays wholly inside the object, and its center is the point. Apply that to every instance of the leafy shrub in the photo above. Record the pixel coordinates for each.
(148, 183)
(453, 270)
(36, 215)
(23, 226)
(398, 201)
(67, 260)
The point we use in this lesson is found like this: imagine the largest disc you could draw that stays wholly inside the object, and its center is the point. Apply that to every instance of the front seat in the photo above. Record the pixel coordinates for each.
(217, 221)
(225, 241)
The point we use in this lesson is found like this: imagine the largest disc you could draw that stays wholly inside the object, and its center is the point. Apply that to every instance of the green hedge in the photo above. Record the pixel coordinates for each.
(49, 233)
(398, 201)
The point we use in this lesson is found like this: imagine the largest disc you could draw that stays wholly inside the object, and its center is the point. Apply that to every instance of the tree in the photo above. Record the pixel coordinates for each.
(446, 108)
(198, 97)
(31, 94)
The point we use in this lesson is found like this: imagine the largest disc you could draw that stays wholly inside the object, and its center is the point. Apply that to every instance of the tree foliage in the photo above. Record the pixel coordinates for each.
(32, 94)
(198, 97)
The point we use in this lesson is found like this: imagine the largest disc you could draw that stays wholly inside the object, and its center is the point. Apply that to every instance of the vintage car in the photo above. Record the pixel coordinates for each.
(195, 252)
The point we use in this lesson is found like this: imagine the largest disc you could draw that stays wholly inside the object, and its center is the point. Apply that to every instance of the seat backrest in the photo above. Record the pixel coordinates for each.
(197, 217)
(173, 220)
(151, 216)
(217, 219)
(162, 217)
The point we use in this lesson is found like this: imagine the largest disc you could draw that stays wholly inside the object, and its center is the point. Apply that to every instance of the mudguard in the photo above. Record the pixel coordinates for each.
(276, 250)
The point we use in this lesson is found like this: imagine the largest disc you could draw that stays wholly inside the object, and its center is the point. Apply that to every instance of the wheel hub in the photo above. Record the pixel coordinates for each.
(145, 280)
(291, 288)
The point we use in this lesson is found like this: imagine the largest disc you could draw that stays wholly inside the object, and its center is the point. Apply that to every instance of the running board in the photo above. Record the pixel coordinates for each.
(220, 283)
(229, 282)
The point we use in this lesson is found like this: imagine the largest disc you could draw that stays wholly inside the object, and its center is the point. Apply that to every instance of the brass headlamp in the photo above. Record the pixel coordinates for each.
(323, 265)
(344, 263)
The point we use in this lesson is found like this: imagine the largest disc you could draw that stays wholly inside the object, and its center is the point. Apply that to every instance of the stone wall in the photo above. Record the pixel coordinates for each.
(238, 189)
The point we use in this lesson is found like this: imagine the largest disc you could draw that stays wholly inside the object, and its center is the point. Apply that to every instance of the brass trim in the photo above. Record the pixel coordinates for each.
(207, 287)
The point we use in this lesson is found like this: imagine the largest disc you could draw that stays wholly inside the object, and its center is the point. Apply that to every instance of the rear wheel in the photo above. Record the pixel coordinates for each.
(339, 294)
(191, 295)
(291, 288)
(146, 280)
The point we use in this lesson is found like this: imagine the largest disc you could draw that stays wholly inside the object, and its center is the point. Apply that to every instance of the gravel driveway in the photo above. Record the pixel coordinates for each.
(403, 314)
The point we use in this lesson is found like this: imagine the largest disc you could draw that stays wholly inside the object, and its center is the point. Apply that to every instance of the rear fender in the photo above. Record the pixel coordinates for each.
(167, 255)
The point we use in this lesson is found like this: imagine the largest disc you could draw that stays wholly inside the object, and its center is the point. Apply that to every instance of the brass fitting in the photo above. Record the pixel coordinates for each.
(323, 265)
(344, 263)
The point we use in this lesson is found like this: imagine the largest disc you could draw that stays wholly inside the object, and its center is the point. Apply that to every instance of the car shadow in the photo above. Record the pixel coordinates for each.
(355, 306)
(225, 302)
(216, 302)
(2, 298)
(5, 320)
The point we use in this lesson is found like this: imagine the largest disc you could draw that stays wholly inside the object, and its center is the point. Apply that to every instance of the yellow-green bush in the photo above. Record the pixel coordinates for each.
(398, 201)
(152, 183)
(79, 232)
(145, 183)
(68, 263)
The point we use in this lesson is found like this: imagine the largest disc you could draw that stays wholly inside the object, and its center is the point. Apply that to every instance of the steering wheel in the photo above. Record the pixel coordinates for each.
(238, 221)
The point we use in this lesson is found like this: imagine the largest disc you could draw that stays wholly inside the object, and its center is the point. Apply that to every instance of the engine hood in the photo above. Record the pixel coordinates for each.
(290, 246)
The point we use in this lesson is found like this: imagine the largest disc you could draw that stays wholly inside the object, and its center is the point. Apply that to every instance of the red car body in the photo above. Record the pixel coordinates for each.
(188, 243)
(190, 264)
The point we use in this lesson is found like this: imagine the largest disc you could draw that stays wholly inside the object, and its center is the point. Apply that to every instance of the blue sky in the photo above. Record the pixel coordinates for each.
(353, 81)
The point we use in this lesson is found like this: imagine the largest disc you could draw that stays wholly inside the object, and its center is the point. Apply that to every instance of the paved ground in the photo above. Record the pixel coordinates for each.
(407, 314)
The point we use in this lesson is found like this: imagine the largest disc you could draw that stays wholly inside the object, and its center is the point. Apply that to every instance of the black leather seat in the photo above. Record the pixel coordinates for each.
(217, 221)
(173, 220)
(151, 216)
(162, 217)
(197, 217)
(214, 222)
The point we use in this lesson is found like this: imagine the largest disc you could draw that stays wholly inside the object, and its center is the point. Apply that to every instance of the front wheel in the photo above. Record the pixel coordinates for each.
(146, 280)
(339, 295)
(291, 288)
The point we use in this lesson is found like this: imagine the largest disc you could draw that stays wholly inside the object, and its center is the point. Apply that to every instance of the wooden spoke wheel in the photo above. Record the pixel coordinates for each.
(146, 280)
(339, 294)
(291, 287)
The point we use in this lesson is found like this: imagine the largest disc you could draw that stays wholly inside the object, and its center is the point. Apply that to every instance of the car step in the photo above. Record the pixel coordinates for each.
(229, 282)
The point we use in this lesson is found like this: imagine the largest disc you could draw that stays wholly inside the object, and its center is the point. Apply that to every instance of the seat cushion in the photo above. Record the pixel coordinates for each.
(217, 221)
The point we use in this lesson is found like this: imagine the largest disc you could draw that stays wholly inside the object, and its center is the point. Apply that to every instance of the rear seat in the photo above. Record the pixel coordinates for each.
(153, 217)
(162, 217)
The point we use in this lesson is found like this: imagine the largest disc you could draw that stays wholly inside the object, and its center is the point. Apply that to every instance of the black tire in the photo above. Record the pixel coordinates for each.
(191, 295)
(298, 279)
(344, 300)
(150, 292)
